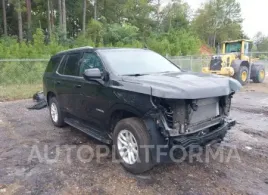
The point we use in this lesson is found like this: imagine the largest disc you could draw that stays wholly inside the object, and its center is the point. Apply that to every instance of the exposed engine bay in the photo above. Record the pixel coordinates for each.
(181, 117)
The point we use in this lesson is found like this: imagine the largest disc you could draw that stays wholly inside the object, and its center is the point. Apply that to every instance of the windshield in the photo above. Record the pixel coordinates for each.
(233, 47)
(136, 61)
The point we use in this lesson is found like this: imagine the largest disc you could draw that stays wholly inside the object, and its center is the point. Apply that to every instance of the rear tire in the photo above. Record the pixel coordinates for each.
(140, 158)
(260, 75)
(56, 114)
(242, 75)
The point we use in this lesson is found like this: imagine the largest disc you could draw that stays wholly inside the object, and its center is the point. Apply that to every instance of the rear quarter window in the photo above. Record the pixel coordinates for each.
(53, 63)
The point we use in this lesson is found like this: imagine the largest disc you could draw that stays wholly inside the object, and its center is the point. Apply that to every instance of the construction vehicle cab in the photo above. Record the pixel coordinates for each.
(236, 62)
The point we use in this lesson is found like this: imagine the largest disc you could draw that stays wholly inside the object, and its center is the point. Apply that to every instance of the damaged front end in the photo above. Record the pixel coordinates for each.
(197, 121)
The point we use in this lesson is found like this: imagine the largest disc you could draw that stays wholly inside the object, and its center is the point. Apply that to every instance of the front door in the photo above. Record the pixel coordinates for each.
(95, 96)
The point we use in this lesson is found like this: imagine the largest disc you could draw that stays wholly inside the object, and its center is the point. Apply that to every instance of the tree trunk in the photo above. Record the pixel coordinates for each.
(84, 16)
(19, 21)
(158, 14)
(52, 15)
(60, 13)
(95, 9)
(29, 19)
(214, 39)
(48, 18)
(64, 19)
(4, 17)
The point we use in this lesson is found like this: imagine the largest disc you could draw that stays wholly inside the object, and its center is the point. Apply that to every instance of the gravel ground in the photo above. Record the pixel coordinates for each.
(23, 131)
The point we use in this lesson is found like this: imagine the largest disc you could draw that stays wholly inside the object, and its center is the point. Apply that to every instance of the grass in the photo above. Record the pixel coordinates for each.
(16, 92)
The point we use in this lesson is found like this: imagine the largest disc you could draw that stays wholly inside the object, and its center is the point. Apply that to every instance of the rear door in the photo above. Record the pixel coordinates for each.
(49, 75)
(68, 83)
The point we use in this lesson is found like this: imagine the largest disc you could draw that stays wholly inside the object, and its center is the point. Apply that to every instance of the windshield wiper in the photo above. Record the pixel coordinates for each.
(134, 75)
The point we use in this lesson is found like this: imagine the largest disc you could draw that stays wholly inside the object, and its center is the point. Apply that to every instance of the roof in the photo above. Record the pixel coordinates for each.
(238, 40)
(96, 48)
(119, 48)
(75, 49)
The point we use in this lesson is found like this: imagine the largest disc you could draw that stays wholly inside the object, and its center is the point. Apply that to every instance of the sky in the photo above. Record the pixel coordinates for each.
(254, 13)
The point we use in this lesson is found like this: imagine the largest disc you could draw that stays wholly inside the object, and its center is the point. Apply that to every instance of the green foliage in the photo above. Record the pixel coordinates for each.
(21, 72)
(95, 31)
(175, 43)
(10, 48)
(263, 57)
(175, 16)
(261, 42)
(125, 33)
(218, 20)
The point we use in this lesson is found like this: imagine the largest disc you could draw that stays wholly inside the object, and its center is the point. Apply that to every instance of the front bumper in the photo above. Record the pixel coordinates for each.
(185, 142)
(227, 71)
(203, 137)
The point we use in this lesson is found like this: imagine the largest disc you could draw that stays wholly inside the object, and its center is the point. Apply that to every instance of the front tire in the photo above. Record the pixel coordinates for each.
(242, 75)
(128, 137)
(56, 114)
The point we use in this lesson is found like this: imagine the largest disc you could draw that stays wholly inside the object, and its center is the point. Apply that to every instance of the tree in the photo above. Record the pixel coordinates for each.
(19, 10)
(4, 17)
(49, 17)
(261, 42)
(60, 13)
(84, 16)
(175, 15)
(64, 19)
(29, 19)
(52, 13)
(138, 13)
(119, 23)
(95, 9)
(218, 20)
(125, 33)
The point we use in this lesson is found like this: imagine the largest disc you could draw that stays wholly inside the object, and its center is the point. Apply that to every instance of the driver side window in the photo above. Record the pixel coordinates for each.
(90, 60)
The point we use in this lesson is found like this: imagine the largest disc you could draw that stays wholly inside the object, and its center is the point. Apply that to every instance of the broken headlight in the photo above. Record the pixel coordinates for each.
(225, 103)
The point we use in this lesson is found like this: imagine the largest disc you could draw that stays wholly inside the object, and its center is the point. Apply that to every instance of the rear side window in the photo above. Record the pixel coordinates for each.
(53, 63)
(70, 65)
(62, 66)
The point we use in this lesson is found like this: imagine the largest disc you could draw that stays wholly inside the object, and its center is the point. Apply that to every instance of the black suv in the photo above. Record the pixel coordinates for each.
(133, 98)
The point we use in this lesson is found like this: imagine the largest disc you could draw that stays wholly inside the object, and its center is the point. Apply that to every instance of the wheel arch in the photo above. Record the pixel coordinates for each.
(236, 64)
(119, 112)
(49, 95)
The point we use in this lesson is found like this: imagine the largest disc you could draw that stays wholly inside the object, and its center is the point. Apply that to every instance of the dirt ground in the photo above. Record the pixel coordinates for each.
(21, 130)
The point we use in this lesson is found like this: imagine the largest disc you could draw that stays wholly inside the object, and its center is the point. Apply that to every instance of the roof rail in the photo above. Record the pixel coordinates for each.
(74, 49)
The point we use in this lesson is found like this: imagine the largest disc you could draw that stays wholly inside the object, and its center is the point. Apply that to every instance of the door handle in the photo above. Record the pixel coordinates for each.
(57, 82)
(78, 86)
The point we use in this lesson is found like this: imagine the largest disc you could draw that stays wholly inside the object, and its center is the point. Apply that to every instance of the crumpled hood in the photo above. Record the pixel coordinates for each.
(182, 85)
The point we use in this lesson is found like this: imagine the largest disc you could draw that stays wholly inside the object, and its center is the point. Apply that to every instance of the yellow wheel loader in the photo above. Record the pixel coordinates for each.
(235, 61)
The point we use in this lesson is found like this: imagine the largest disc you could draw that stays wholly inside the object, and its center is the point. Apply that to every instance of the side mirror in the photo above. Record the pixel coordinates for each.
(92, 74)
